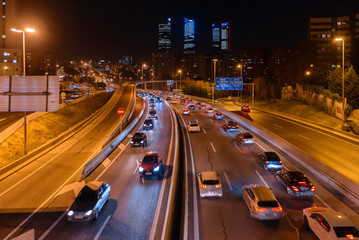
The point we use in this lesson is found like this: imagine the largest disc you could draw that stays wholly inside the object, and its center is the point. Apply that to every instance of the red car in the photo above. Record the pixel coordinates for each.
(218, 116)
(245, 108)
(190, 101)
(151, 165)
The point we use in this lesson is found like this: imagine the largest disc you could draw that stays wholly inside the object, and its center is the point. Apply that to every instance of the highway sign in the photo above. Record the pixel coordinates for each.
(223, 83)
(120, 111)
(169, 82)
(236, 83)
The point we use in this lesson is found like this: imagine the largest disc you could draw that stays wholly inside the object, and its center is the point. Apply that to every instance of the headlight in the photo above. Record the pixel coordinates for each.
(131, 142)
(151, 125)
(88, 213)
(141, 141)
(156, 169)
(140, 169)
(70, 213)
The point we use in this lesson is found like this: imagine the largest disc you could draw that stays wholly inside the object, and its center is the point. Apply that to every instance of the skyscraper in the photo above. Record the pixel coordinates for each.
(189, 36)
(216, 37)
(225, 36)
(164, 35)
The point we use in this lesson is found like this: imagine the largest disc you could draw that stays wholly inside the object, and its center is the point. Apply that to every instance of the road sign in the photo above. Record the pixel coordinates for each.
(236, 83)
(223, 83)
(120, 111)
(169, 82)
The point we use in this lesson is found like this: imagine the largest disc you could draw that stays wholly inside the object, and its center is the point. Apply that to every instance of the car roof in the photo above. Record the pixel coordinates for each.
(335, 218)
(296, 174)
(152, 153)
(94, 185)
(270, 154)
(209, 175)
(263, 193)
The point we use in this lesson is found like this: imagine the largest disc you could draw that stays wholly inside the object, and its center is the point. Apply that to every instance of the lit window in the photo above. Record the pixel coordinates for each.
(328, 35)
(6, 54)
(5, 60)
(13, 61)
(323, 36)
(339, 23)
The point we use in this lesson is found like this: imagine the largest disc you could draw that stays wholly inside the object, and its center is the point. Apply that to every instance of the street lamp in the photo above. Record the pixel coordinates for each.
(214, 78)
(143, 66)
(240, 66)
(30, 30)
(180, 73)
(343, 98)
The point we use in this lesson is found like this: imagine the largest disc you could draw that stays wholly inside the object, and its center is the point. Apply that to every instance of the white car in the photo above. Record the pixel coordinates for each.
(210, 111)
(174, 101)
(185, 112)
(193, 127)
(209, 184)
(329, 224)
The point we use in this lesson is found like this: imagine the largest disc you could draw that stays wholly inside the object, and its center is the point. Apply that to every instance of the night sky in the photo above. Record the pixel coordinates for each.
(89, 29)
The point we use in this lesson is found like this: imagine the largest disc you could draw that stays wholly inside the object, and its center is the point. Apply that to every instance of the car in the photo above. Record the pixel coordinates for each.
(185, 112)
(218, 116)
(261, 202)
(210, 110)
(152, 114)
(193, 126)
(168, 98)
(151, 165)
(203, 107)
(183, 101)
(231, 126)
(151, 100)
(152, 105)
(190, 101)
(198, 105)
(245, 108)
(270, 160)
(75, 95)
(158, 99)
(209, 184)
(245, 138)
(148, 124)
(296, 183)
(139, 139)
(89, 202)
(191, 107)
(329, 224)
(174, 101)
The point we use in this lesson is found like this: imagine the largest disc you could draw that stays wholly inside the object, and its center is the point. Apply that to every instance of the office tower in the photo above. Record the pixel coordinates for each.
(225, 36)
(189, 36)
(164, 35)
(216, 37)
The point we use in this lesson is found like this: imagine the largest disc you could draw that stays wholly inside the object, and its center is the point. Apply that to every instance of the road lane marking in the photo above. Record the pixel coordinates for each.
(262, 178)
(2, 119)
(326, 204)
(290, 223)
(305, 137)
(106, 162)
(277, 125)
(261, 147)
(121, 146)
(53, 225)
(213, 147)
(344, 155)
(211, 120)
(204, 130)
(102, 227)
(229, 183)
(138, 164)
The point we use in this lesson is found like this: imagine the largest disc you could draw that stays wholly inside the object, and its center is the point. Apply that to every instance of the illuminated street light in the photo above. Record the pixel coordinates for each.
(180, 73)
(30, 30)
(343, 99)
(240, 66)
(307, 73)
(143, 66)
(214, 78)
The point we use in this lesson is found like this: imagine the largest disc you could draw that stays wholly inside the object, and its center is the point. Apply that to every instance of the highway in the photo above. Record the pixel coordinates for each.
(228, 217)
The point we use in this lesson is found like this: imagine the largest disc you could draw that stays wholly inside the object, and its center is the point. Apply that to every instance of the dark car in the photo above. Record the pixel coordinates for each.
(245, 138)
(153, 114)
(231, 126)
(89, 202)
(191, 107)
(151, 165)
(152, 105)
(296, 183)
(151, 100)
(139, 139)
(168, 98)
(245, 108)
(218, 116)
(158, 99)
(270, 160)
(148, 124)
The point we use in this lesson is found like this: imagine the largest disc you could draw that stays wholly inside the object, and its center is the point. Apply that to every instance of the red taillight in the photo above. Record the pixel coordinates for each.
(258, 209)
(218, 185)
(280, 161)
(267, 162)
(243, 139)
(203, 186)
(350, 236)
(295, 188)
(277, 209)
(312, 189)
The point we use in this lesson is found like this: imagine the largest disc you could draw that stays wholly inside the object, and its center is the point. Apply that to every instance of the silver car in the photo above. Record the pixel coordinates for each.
(209, 184)
(261, 202)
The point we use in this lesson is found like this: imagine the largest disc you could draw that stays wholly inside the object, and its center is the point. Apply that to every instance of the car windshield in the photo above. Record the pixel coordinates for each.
(138, 136)
(152, 112)
(267, 203)
(87, 194)
(298, 177)
(210, 182)
(272, 156)
(247, 135)
(150, 159)
(148, 122)
(193, 124)
(232, 123)
(342, 232)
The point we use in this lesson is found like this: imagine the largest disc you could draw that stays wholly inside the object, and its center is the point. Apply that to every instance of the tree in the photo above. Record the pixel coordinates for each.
(335, 81)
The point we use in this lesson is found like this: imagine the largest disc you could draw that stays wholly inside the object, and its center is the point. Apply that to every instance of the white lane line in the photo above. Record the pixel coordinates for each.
(277, 125)
(53, 225)
(197, 120)
(261, 147)
(138, 164)
(326, 204)
(129, 135)
(204, 130)
(305, 137)
(229, 183)
(290, 223)
(121, 146)
(211, 120)
(344, 155)
(262, 178)
(285, 168)
(151, 139)
(102, 227)
(2, 119)
(213, 147)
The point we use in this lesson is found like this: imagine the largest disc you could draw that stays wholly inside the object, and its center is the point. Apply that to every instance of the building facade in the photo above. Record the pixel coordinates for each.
(189, 36)
(164, 35)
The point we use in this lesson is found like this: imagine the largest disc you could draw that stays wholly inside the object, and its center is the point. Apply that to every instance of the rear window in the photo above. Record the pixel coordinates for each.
(342, 232)
(247, 135)
(138, 136)
(150, 159)
(268, 204)
(193, 124)
(272, 156)
(210, 182)
(148, 121)
(152, 112)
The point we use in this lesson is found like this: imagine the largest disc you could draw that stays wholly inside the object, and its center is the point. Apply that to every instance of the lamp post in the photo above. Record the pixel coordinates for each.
(343, 98)
(143, 66)
(214, 78)
(180, 73)
(5, 68)
(31, 30)
(240, 66)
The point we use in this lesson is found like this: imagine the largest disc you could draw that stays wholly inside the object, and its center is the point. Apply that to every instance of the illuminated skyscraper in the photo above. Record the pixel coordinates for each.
(225, 36)
(216, 36)
(189, 36)
(164, 35)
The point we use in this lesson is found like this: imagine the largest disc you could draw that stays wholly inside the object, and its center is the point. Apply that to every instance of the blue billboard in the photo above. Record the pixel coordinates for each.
(236, 83)
(223, 83)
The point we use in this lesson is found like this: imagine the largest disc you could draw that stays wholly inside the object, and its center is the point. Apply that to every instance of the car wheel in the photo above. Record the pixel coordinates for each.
(306, 224)
(289, 191)
(96, 216)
